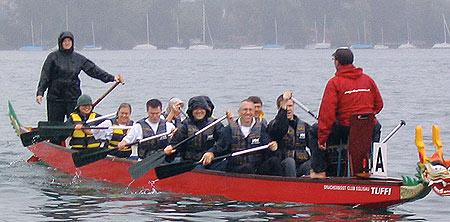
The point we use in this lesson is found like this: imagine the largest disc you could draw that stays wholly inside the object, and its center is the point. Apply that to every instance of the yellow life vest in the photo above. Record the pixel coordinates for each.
(79, 138)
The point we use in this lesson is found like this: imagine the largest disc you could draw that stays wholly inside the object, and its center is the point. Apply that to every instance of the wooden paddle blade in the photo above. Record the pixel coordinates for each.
(140, 168)
(87, 156)
(170, 170)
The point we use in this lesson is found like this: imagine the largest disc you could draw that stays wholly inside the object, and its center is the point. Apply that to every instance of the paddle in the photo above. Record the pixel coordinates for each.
(108, 91)
(169, 170)
(87, 156)
(304, 108)
(147, 164)
(50, 129)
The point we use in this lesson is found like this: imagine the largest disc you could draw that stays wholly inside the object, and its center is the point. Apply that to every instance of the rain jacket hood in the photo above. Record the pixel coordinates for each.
(61, 37)
(198, 101)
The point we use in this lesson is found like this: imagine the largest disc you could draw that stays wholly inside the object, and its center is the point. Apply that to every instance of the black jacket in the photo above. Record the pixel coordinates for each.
(60, 73)
(278, 127)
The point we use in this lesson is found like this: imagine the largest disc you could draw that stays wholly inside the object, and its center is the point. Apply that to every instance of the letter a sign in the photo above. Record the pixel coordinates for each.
(379, 159)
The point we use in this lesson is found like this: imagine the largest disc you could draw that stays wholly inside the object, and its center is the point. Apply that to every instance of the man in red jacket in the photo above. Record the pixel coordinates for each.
(350, 91)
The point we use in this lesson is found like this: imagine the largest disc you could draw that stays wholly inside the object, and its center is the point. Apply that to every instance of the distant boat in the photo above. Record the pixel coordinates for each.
(251, 47)
(92, 47)
(443, 45)
(381, 46)
(323, 44)
(202, 45)
(274, 46)
(146, 46)
(408, 45)
(33, 47)
(362, 45)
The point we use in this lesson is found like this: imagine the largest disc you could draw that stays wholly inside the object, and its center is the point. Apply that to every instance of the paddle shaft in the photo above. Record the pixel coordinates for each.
(200, 131)
(101, 118)
(169, 170)
(106, 93)
(237, 153)
(148, 138)
(141, 168)
(304, 108)
(402, 123)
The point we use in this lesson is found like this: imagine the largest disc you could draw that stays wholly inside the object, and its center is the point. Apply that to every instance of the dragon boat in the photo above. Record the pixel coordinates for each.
(432, 174)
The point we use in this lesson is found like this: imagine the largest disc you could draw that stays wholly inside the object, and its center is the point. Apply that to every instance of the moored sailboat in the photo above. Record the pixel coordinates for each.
(443, 45)
(202, 45)
(146, 46)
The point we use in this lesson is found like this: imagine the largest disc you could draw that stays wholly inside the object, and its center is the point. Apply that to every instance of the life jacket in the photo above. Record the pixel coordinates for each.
(240, 142)
(118, 135)
(195, 148)
(79, 139)
(148, 148)
(295, 141)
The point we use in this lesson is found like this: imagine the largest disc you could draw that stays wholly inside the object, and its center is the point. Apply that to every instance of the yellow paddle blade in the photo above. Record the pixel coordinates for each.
(420, 145)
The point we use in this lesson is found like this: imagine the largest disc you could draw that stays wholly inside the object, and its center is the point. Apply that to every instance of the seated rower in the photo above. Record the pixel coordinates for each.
(83, 138)
(147, 127)
(114, 136)
(259, 114)
(173, 111)
(293, 136)
(199, 116)
(245, 133)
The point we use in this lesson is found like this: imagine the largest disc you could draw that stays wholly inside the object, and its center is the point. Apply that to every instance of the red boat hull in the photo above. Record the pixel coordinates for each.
(374, 193)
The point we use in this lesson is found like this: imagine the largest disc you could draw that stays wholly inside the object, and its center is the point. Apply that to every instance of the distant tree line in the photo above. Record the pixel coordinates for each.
(121, 24)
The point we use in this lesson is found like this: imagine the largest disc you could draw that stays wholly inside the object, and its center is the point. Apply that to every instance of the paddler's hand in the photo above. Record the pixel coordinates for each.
(207, 158)
(119, 79)
(78, 126)
(230, 115)
(322, 146)
(39, 99)
(122, 145)
(286, 97)
(169, 150)
(273, 146)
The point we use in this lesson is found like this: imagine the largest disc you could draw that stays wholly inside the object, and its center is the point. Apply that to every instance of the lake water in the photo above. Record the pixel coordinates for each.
(414, 85)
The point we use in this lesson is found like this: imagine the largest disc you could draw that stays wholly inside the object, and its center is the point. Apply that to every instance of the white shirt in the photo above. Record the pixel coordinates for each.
(135, 133)
(246, 129)
(104, 133)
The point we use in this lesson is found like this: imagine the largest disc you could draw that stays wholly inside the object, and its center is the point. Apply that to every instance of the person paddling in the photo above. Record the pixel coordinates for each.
(245, 133)
(112, 137)
(150, 126)
(83, 138)
(199, 116)
(60, 76)
(259, 114)
(350, 91)
(293, 137)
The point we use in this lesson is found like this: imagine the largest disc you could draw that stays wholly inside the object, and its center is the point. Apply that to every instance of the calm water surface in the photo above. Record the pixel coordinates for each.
(414, 85)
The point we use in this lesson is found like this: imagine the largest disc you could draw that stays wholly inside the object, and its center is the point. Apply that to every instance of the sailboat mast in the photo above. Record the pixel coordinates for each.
(445, 29)
(204, 25)
(93, 33)
(32, 33)
(178, 31)
(382, 36)
(317, 34)
(324, 25)
(365, 34)
(148, 32)
(67, 18)
(276, 33)
(41, 34)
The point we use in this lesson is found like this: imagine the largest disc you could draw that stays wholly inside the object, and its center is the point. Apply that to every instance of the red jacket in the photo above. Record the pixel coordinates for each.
(349, 91)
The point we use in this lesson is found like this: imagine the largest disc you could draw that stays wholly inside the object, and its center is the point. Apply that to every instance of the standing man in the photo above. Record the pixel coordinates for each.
(293, 136)
(147, 127)
(349, 92)
(245, 133)
(60, 76)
